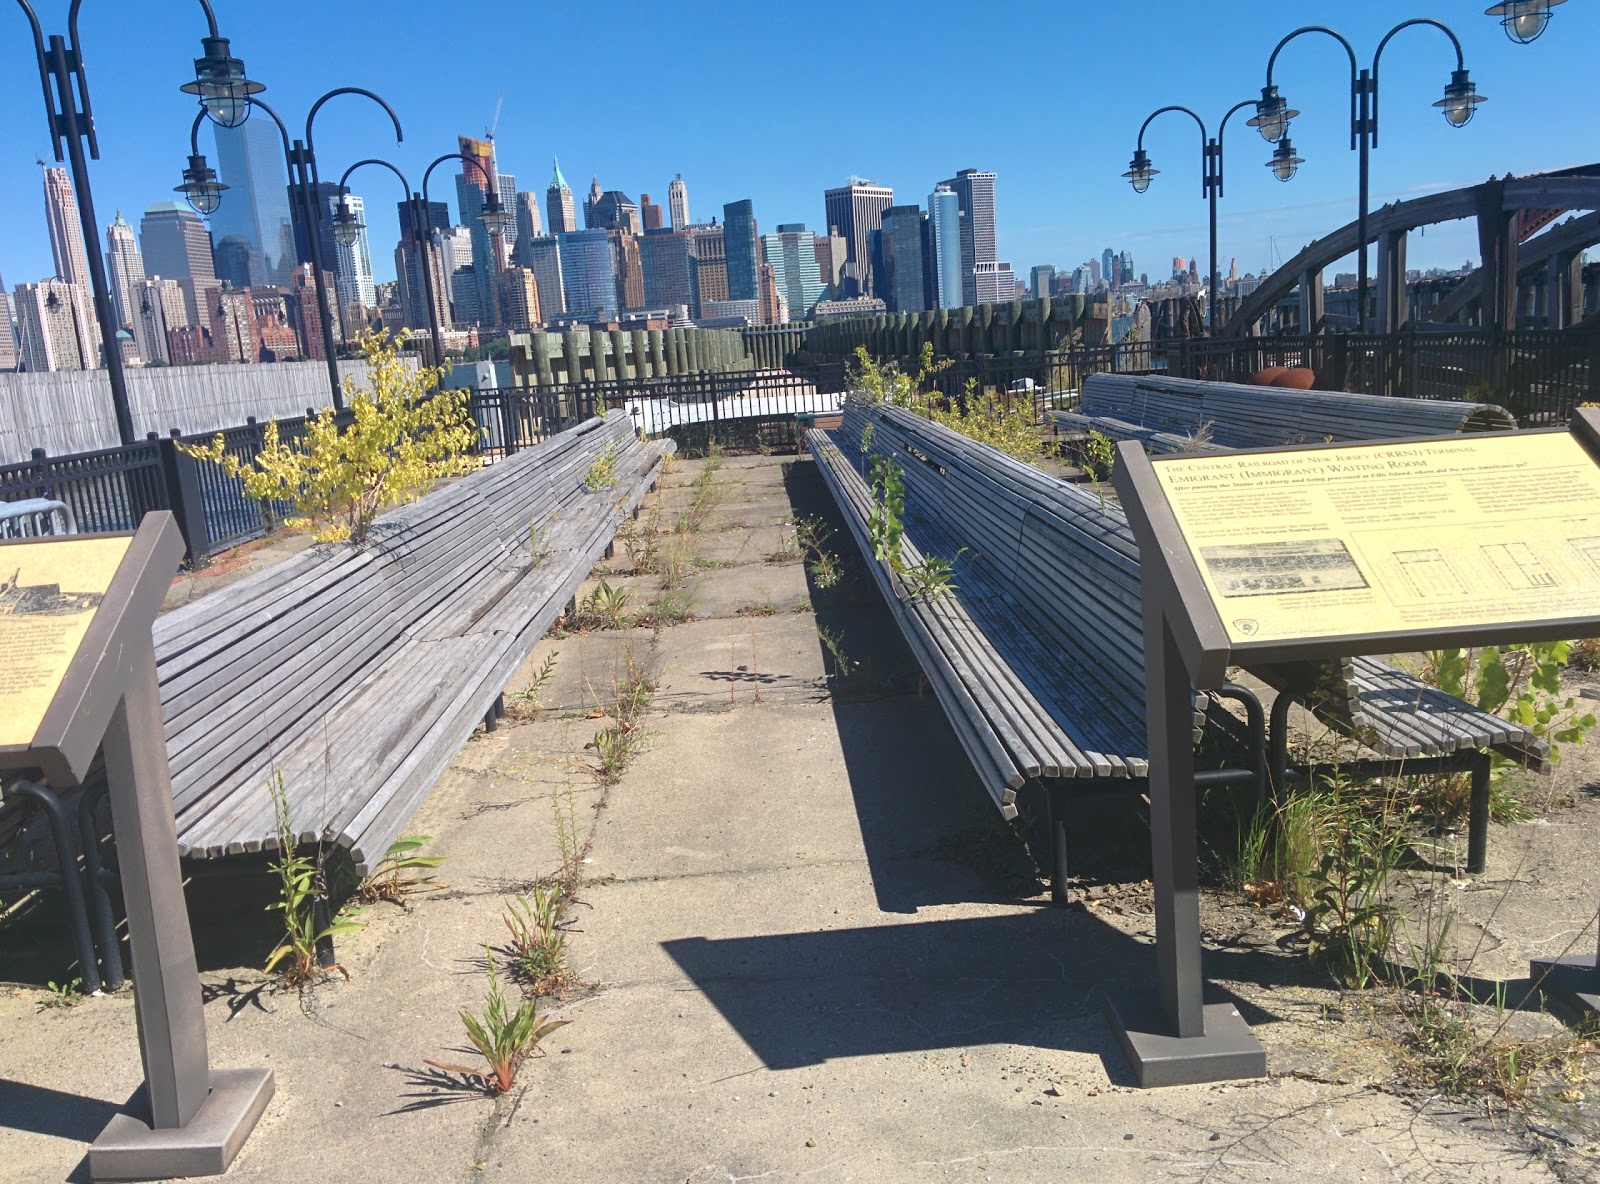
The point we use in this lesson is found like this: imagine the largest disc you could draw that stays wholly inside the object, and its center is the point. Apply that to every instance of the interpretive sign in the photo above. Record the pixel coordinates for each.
(1391, 538)
(1267, 557)
(49, 592)
(77, 678)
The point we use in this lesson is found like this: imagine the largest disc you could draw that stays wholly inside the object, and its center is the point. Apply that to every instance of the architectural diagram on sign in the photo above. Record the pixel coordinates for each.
(1519, 566)
(1429, 573)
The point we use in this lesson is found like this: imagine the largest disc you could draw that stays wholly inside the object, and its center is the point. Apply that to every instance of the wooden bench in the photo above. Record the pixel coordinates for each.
(1038, 658)
(357, 673)
(1183, 414)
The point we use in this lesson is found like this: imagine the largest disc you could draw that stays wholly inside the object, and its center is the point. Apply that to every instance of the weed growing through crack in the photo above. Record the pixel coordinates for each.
(403, 870)
(529, 696)
(504, 1038)
(61, 996)
(765, 609)
(602, 474)
(570, 844)
(302, 887)
(843, 665)
(605, 607)
(538, 944)
(634, 685)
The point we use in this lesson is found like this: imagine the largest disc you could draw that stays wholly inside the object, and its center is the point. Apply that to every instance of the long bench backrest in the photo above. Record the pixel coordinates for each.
(1237, 415)
(245, 667)
(1072, 563)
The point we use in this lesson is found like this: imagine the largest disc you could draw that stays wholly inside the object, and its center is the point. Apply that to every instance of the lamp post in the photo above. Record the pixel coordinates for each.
(496, 220)
(71, 121)
(1273, 115)
(1523, 20)
(1140, 173)
(199, 186)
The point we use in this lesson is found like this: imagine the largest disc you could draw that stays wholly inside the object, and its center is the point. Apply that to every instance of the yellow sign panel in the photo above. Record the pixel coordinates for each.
(1386, 538)
(49, 593)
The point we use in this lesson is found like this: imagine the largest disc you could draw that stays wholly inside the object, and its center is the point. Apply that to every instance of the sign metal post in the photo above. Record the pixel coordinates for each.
(80, 672)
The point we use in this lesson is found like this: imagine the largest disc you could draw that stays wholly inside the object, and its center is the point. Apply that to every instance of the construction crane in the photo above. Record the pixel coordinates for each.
(488, 132)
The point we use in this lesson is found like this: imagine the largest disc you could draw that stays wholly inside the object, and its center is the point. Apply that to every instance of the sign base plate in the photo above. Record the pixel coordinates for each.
(1574, 982)
(129, 1149)
(1228, 1051)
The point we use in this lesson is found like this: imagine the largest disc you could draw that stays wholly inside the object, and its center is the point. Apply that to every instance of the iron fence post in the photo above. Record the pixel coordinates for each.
(180, 477)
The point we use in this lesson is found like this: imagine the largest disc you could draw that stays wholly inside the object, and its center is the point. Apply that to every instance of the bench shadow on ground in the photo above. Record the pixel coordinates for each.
(931, 833)
(72, 1117)
(1034, 978)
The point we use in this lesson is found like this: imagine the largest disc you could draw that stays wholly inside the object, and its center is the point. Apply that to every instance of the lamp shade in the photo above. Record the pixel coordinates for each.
(200, 186)
(1285, 160)
(1272, 116)
(1461, 99)
(219, 80)
(1139, 171)
(347, 227)
(1523, 20)
(496, 219)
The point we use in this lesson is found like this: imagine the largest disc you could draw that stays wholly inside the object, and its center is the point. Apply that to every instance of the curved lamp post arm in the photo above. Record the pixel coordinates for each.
(487, 181)
(404, 184)
(399, 136)
(44, 73)
(1205, 183)
(1355, 70)
(1461, 62)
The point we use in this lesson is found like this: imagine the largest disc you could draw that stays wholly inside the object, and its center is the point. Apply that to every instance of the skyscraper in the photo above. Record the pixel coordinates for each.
(354, 263)
(630, 271)
(668, 261)
(678, 203)
(408, 268)
(1108, 267)
(158, 307)
(542, 256)
(124, 269)
(233, 326)
(66, 232)
(256, 204)
(529, 226)
(460, 278)
(589, 272)
(613, 210)
(8, 340)
(856, 210)
(650, 212)
(1040, 279)
(830, 252)
(55, 327)
(488, 255)
(901, 248)
(506, 187)
(709, 247)
(944, 231)
(558, 204)
(792, 255)
(176, 245)
(742, 250)
(984, 280)
(591, 201)
(519, 297)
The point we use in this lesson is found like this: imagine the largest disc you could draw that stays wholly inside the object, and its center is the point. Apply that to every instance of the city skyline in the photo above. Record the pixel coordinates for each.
(1063, 196)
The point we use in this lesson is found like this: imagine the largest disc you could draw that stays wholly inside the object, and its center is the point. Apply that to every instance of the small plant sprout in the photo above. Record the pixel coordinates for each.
(930, 578)
(539, 545)
(844, 666)
(538, 943)
(401, 871)
(602, 474)
(1096, 458)
(300, 891)
(504, 1038)
(529, 696)
(604, 608)
(61, 995)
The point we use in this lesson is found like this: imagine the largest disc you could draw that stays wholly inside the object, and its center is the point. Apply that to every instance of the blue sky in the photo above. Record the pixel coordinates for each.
(776, 103)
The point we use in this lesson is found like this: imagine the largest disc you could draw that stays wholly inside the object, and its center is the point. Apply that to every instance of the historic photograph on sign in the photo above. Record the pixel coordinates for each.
(48, 597)
(1304, 565)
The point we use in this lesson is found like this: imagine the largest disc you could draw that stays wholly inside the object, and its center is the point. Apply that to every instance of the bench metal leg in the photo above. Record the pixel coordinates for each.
(1056, 819)
(97, 877)
(496, 713)
(1278, 743)
(1256, 723)
(61, 829)
(1478, 816)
